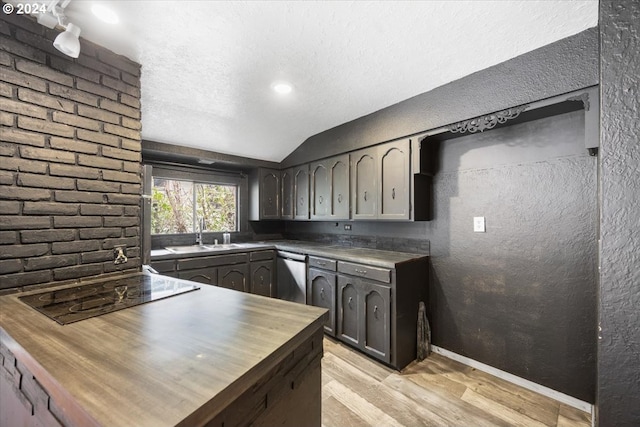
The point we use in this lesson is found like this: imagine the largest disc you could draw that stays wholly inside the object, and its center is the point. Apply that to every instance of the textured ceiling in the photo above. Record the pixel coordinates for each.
(208, 66)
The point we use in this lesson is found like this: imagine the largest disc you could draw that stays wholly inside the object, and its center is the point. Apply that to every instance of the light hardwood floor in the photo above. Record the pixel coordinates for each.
(357, 391)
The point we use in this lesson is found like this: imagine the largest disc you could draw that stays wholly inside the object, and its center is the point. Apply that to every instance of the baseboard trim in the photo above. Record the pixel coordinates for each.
(530, 385)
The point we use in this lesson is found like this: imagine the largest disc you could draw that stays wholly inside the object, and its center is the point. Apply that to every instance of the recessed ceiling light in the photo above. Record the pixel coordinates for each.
(105, 14)
(282, 88)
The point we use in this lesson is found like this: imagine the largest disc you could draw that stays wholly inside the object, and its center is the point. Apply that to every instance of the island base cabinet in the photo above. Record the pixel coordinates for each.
(288, 395)
(363, 316)
(25, 402)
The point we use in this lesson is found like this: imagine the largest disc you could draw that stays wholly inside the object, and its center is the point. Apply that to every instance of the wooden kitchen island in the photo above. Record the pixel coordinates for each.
(209, 357)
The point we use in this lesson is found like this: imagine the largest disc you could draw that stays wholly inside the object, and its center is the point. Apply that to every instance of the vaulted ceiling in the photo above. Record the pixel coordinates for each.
(208, 66)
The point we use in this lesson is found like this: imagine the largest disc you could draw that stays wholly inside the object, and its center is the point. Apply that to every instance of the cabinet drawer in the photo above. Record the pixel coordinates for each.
(211, 261)
(373, 273)
(261, 255)
(326, 264)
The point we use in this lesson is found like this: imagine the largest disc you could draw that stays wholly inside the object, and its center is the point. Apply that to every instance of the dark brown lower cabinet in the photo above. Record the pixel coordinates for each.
(207, 276)
(372, 308)
(234, 277)
(363, 316)
(377, 307)
(321, 293)
(263, 278)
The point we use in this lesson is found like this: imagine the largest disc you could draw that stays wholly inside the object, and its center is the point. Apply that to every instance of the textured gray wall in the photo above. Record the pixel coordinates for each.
(619, 346)
(561, 67)
(522, 296)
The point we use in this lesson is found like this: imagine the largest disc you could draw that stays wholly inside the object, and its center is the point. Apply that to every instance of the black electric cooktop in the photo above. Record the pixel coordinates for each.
(83, 302)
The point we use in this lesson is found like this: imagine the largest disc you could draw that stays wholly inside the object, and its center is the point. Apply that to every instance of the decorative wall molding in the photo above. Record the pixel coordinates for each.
(486, 122)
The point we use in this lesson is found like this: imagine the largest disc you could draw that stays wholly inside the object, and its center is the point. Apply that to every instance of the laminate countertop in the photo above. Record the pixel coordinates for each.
(376, 257)
(169, 362)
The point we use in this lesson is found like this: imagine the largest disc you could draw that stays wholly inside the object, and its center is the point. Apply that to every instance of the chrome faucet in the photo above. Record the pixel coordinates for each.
(199, 240)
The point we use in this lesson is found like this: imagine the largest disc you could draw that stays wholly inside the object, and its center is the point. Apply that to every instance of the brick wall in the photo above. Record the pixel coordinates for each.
(70, 158)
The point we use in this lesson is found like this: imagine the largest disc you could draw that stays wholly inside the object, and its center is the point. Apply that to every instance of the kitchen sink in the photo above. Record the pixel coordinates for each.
(200, 248)
(222, 247)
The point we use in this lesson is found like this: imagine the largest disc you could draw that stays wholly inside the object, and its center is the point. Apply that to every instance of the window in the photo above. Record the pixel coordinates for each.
(178, 205)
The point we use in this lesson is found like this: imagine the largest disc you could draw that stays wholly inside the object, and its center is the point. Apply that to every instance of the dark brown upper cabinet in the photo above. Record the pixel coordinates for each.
(364, 188)
(381, 182)
(394, 180)
(329, 182)
(265, 194)
(286, 194)
(301, 192)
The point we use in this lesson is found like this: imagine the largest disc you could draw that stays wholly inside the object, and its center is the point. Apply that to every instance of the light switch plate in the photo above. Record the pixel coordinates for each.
(478, 224)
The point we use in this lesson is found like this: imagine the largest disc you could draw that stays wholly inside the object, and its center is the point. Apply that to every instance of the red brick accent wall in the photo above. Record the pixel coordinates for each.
(70, 158)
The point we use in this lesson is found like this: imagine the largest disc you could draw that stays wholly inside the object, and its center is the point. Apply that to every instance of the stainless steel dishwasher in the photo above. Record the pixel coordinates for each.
(292, 277)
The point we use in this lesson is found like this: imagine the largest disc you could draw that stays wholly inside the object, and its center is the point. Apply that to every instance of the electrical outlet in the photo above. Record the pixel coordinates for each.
(478, 224)
(347, 227)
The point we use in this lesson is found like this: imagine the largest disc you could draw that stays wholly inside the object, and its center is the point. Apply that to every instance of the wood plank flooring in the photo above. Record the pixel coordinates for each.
(357, 391)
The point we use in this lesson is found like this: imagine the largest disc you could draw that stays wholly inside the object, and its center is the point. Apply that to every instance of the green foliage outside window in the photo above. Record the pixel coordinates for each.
(174, 201)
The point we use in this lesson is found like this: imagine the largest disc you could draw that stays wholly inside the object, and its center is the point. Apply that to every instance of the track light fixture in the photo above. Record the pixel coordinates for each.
(66, 42)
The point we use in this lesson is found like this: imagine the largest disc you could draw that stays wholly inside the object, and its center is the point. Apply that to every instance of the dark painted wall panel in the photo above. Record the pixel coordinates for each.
(522, 296)
(567, 65)
(619, 345)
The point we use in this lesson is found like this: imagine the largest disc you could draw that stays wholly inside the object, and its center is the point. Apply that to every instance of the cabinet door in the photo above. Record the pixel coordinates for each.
(263, 278)
(394, 177)
(321, 293)
(348, 311)
(286, 194)
(301, 192)
(233, 277)
(201, 275)
(363, 182)
(376, 321)
(339, 187)
(269, 194)
(319, 183)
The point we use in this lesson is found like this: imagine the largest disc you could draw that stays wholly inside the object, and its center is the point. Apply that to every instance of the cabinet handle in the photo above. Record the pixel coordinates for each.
(365, 196)
(339, 198)
(361, 271)
(375, 311)
(349, 302)
(261, 280)
(322, 294)
(320, 199)
(393, 193)
(322, 263)
(270, 201)
(301, 201)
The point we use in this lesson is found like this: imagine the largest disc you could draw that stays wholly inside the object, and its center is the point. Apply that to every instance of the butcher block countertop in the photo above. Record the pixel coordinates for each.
(174, 361)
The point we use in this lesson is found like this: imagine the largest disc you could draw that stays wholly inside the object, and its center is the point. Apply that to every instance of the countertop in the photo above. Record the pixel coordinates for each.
(375, 257)
(162, 363)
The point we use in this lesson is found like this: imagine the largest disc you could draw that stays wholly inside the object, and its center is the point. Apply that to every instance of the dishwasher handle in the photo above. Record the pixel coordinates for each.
(292, 256)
